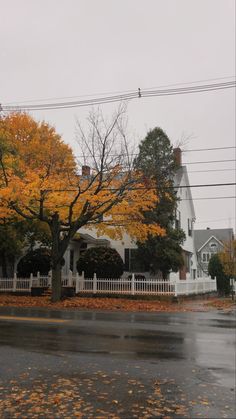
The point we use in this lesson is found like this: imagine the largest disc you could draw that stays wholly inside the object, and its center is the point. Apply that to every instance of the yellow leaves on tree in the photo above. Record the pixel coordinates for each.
(40, 179)
(228, 258)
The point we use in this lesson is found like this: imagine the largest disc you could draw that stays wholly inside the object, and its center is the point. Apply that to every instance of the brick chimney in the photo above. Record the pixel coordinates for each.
(85, 171)
(178, 156)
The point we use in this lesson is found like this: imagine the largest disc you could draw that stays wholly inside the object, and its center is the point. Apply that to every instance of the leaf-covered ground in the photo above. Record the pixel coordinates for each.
(117, 304)
(98, 394)
(221, 303)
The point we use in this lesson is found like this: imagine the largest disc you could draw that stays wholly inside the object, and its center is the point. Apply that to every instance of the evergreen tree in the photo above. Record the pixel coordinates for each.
(157, 163)
(216, 269)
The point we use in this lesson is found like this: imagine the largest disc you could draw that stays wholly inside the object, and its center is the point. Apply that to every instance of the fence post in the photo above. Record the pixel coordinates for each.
(70, 279)
(132, 285)
(94, 283)
(77, 285)
(30, 281)
(176, 288)
(82, 281)
(14, 282)
(50, 279)
(38, 278)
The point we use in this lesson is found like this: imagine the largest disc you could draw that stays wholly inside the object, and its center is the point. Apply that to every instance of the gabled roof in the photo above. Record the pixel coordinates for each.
(201, 237)
(210, 238)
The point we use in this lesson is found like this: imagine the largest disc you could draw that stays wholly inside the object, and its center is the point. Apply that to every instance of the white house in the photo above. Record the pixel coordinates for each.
(185, 217)
(209, 242)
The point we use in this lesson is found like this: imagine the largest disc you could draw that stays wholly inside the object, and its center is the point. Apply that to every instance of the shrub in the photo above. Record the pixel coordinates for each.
(215, 269)
(37, 260)
(103, 261)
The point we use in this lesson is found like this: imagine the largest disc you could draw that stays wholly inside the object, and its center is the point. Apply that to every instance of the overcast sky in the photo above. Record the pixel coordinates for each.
(63, 48)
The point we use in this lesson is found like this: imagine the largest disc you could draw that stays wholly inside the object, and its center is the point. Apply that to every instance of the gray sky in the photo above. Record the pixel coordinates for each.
(62, 48)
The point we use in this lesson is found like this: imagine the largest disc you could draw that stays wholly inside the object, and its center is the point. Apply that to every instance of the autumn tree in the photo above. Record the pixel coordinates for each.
(228, 258)
(40, 179)
(157, 162)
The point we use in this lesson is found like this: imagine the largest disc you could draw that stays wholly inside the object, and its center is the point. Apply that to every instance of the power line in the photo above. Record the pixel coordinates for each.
(122, 97)
(208, 149)
(215, 197)
(212, 170)
(193, 82)
(147, 188)
(209, 161)
(136, 154)
(206, 185)
(213, 220)
(121, 91)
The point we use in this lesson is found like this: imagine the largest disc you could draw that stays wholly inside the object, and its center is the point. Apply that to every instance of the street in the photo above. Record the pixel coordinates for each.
(94, 364)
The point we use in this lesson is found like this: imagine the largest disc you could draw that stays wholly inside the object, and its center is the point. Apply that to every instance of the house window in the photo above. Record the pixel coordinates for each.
(177, 219)
(132, 263)
(206, 257)
(190, 227)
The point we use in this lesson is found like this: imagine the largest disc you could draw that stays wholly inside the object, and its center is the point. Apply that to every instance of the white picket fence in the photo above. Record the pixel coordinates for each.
(121, 286)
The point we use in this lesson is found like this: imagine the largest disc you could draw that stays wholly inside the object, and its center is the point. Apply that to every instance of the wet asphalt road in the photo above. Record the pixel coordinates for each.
(118, 364)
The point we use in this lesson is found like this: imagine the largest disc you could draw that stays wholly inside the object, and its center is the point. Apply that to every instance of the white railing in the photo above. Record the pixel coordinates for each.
(24, 284)
(144, 287)
(195, 286)
(121, 286)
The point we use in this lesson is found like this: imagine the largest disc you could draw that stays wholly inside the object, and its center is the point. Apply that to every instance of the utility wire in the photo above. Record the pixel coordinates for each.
(213, 220)
(215, 197)
(120, 91)
(136, 154)
(208, 149)
(123, 97)
(212, 170)
(209, 161)
(147, 188)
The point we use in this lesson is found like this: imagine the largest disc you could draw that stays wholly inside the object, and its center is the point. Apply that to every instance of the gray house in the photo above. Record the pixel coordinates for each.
(207, 243)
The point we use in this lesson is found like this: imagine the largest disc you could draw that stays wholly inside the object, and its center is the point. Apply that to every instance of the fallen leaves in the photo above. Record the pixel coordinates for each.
(55, 397)
(221, 303)
(88, 303)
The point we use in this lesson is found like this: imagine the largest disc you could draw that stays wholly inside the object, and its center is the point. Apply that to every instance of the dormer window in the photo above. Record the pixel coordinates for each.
(213, 247)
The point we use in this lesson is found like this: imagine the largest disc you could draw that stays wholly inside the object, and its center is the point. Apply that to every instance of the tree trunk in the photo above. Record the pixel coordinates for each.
(56, 259)
(59, 246)
(56, 283)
